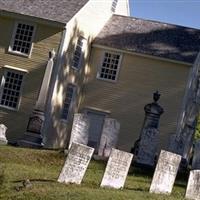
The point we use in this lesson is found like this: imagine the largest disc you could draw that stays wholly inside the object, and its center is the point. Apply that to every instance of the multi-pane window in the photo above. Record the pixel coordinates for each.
(22, 39)
(114, 5)
(79, 52)
(68, 101)
(110, 67)
(11, 88)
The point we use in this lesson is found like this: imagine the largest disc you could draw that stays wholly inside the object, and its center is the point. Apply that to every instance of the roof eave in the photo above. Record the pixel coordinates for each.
(141, 54)
(22, 16)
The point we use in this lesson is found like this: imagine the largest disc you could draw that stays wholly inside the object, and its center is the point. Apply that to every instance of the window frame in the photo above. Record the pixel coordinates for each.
(84, 40)
(118, 67)
(10, 48)
(6, 69)
(71, 102)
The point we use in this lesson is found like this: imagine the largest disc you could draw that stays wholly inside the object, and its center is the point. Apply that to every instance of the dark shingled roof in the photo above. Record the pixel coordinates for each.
(55, 10)
(150, 37)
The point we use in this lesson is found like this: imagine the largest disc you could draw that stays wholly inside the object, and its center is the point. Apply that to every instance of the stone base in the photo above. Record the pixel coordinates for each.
(3, 142)
(31, 140)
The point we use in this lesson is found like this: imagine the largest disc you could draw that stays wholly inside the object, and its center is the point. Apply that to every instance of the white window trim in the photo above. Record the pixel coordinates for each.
(118, 68)
(84, 40)
(71, 107)
(13, 39)
(21, 71)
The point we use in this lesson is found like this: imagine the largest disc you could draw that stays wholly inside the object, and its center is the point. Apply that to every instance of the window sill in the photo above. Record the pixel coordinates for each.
(16, 53)
(9, 108)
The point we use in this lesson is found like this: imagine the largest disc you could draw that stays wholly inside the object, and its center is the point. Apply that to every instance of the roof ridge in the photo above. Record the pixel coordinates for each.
(155, 21)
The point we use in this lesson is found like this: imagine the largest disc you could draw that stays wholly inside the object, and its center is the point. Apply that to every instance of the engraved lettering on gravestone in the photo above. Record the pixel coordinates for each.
(3, 139)
(80, 129)
(146, 146)
(109, 136)
(193, 186)
(165, 172)
(196, 156)
(116, 169)
(76, 164)
(35, 124)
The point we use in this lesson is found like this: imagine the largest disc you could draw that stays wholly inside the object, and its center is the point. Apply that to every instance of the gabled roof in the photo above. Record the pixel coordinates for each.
(54, 10)
(151, 38)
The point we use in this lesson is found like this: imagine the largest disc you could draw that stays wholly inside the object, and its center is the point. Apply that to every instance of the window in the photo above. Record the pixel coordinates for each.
(110, 67)
(11, 88)
(22, 39)
(67, 105)
(114, 5)
(79, 52)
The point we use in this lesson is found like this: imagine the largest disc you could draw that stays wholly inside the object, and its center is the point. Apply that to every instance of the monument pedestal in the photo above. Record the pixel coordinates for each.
(33, 136)
(145, 147)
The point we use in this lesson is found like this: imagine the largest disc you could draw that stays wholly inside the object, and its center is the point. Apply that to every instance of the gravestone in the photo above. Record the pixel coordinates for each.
(80, 129)
(181, 142)
(116, 169)
(165, 172)
(76, 164)
(109, 136)
(196, 156)
(146, 146)
(193, 186)
(3, 139)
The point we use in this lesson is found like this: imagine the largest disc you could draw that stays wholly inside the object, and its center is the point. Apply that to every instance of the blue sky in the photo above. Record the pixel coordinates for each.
(182, 12)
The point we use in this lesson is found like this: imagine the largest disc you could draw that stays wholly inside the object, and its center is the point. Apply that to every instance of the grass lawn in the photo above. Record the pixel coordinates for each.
(42, 168)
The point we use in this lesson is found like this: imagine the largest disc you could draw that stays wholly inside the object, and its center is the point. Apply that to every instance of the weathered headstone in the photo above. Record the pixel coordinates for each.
(109, 136)
(181, 142)
(146, 146)
(80, 129)
(196, 156)
(76, 164)
(3, 139)
(116, 169)
(193, 186)
(165, 172)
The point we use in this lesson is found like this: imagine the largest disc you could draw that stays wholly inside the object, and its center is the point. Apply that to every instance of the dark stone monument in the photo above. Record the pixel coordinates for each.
(145, 147)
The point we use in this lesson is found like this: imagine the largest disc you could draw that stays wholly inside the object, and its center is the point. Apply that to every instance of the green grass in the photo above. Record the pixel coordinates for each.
(42, 168)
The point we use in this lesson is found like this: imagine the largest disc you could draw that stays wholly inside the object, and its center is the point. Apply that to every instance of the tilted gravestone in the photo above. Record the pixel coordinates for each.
(109, 136)
(76, 164)
(80, 129)
(181, 143)
(193, 186)
(3, 139)
(165, 172)
(116, 169)
(196, 156)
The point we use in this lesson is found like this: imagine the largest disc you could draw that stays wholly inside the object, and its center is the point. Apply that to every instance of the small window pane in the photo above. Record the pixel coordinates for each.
(79, 51)
(67, 101)
(11, 89)
(22, 38)
(109, 66)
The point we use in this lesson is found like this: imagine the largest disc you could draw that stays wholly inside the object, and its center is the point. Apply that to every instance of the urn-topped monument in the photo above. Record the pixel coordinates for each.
(145, 147)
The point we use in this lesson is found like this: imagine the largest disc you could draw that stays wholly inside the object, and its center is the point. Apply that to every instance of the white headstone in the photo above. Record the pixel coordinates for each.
(193, 186)
(3, 139)
(109, 136)
(80, 129)
(76, 164)
(116, 169)
(196, 156)
(165, 172)
(148, 146)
